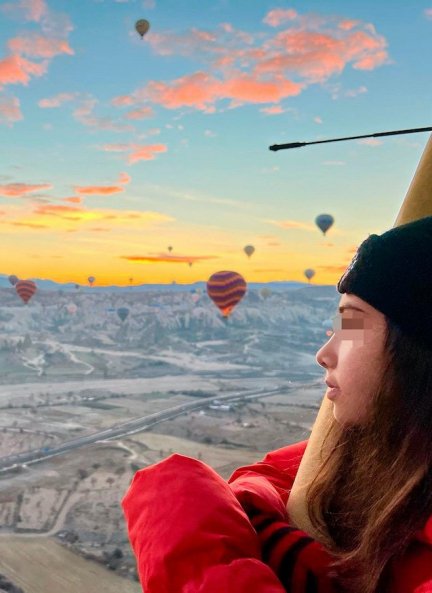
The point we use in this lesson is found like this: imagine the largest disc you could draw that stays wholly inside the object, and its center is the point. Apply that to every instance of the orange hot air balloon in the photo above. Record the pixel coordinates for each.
(226, 290)
(25, 289)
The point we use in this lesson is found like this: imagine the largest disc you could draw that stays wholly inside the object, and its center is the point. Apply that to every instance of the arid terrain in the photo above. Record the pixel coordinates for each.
(77, 421)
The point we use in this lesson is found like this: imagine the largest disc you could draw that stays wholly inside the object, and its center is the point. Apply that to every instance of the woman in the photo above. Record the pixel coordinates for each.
(192, 532)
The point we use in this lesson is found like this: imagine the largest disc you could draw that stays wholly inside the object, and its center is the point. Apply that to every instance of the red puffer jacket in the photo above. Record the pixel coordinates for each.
(192, 532)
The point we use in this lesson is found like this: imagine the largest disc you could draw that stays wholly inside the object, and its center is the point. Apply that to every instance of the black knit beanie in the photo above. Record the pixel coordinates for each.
(393, 273)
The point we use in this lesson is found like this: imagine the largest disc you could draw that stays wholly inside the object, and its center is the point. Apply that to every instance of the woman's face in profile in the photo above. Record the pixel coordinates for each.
(353, 358)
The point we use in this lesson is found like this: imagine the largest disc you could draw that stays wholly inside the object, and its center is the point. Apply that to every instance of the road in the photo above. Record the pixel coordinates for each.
(133, 426)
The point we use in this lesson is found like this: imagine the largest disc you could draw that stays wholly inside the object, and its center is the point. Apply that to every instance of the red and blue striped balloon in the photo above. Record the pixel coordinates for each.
(226, 290)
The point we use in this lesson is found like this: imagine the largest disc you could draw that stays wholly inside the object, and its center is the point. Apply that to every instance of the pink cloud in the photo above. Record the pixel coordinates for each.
(140, 113)
(17, 190)
(124, 178)
(146, 153)
(250, 90)
(18, 70)
(245, 68)
(56, 101)
(10, 111)
(101, 190)
(56, 210)
(163, 258)
(74, 200)
(32, 10)
(274, 110)
(279, 16)
(371, 62)
(84, 114)
(39, 46)
(122, 101)
(116, 147)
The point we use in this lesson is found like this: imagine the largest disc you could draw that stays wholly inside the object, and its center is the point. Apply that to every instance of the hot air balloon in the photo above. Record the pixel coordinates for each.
(170, 248)
(249, 249)
(13, 279)
(122, 312)
(265, 292)
(324, 222)
(25, 289)
(91, 280)
(142, 26)
(309, 274)
(190, 263)
(77, 286)
(130, 280)
(226, 289)
(71, 308)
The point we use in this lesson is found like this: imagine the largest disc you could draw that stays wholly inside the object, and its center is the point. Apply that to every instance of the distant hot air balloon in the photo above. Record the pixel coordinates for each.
(25, 289)
(122, 312)
(71, 308)
(142, 26)
(265, 292)
(309, 274)
(170, 248)
(226, 289)
(13, 279)
(130, 280)
(190, 263)
(91, 280)
(249, 249)
(77, 286)
(195, 297)
(324, 222)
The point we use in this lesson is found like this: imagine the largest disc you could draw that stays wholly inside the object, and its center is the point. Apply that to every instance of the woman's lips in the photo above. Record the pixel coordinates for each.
(332, 392)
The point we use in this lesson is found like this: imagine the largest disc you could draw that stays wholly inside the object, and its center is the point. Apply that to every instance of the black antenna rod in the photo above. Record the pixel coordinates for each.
(275, 147)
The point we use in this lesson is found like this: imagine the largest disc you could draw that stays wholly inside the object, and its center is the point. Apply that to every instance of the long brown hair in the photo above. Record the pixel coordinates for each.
(374, 489)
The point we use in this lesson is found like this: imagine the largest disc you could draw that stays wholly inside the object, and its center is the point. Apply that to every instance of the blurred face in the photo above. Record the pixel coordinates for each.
(352, 358)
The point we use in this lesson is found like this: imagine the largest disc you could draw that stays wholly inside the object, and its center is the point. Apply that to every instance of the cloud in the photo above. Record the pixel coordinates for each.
(124, 178)
(98, 190)
(74, 200)
(10, 111)
(291, 224)
(84, 114)
(348, 24)
(244, 68)
(279, 16)
(172, 259)
(38, 46)
(273, 110)
(141, 113)
(334, 163)
(146, 153)
(52, 214)
(31, 10)
(31, 225)
(17, 190)
(122, 101)
(56, 101)
(18, 70)
(201, 91)
(137, 152)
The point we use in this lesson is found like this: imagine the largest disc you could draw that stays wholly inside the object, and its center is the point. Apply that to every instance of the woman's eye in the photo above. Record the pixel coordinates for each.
(340, 322)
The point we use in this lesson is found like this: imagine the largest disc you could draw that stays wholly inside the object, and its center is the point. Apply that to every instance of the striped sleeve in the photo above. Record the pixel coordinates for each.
(301, 563)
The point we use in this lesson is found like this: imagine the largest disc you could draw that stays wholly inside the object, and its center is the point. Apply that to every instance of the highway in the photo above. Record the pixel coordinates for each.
(133, 426)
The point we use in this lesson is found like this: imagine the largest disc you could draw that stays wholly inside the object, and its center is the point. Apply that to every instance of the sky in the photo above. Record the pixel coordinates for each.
(115, 147)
